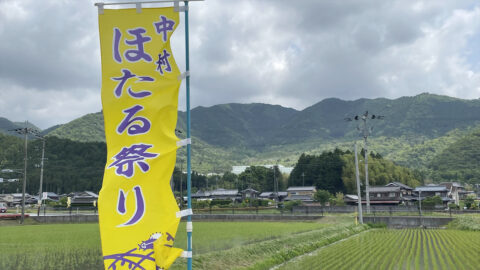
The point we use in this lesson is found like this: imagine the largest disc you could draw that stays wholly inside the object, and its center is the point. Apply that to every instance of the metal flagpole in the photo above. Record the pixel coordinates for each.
(189, 149)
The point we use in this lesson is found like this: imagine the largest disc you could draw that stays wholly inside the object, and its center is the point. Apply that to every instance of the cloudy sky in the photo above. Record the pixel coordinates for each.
(292, 53)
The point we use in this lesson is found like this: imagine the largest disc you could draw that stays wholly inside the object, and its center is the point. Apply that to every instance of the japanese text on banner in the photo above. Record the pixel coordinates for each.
(137, 209)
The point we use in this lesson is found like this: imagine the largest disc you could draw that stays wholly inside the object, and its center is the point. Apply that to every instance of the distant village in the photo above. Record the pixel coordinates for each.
(391, 194)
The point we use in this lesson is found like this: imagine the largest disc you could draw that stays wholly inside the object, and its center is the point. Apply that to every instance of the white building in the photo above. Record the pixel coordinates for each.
(240, 169)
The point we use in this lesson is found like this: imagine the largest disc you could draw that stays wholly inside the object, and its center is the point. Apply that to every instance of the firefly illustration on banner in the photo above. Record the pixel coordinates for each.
(140, 85)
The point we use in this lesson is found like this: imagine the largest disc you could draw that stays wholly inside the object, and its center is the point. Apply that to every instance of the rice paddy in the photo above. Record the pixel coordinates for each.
(398, 249)
(329, 244)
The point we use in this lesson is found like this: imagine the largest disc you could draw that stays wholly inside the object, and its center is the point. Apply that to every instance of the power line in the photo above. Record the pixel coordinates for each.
(25, 131)
(366, 130)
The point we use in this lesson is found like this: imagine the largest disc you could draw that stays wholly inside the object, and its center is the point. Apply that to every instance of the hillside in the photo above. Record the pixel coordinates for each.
(70, 166)
(459, 161)
(414, 130)
(257, 125)
(88, 128)
(7, 127)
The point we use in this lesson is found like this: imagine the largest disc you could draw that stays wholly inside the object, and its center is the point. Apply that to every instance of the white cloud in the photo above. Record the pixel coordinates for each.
(249, 51)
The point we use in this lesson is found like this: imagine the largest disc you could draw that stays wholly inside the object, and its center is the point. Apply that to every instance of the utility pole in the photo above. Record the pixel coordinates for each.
(303, 179)
(41, 176)
(365, 133)
(275, 185)
(359, 193)
(25, 131)
(367, 186)
(420, 201)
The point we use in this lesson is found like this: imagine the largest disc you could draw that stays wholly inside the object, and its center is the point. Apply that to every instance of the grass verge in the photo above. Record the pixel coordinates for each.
(467, 223)
(266, 254)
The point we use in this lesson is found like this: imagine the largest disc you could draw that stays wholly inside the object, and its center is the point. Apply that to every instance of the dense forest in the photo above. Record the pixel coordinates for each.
(413, 132)
(435, 136)
(334, 171)
(459, 161)
(69, 165)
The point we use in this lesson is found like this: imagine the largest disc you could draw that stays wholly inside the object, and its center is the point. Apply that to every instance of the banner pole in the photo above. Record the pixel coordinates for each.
(189, 165)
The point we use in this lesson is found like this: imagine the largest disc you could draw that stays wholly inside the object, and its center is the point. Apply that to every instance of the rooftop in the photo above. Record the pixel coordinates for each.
(310, 188)
(431, 189)
(271, 193)
(449, 185)
(351, 197)
(398, 184)
(384, 189)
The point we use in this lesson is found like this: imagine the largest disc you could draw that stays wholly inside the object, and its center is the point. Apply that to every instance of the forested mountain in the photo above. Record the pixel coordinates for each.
(459, 161)
(334, 171)
(88, 128)
(256, 126)
(414, 132)
(69, 166)
(7, 125)
(238, 125)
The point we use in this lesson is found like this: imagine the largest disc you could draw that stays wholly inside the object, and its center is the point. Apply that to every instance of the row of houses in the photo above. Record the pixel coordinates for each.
(292, 193)
(396, 193)
(82, 198)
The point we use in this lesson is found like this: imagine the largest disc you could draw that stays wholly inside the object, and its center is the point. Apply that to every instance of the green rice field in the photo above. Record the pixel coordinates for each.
(330, 243)
(77, 246)
(397, 249)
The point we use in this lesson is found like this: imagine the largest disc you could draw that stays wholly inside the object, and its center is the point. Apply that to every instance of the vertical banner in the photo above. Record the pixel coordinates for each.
(137, 210)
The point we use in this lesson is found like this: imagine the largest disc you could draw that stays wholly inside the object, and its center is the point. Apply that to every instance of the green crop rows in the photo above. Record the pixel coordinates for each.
(77, 246)
(398, 249)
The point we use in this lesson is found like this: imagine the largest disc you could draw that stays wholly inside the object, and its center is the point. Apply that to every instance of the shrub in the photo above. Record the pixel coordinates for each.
(290, 204)
(256, 203)
(430, 202)
(470, 202)
(196, 204)
(377, 225)
(220, 202)
(453, 206)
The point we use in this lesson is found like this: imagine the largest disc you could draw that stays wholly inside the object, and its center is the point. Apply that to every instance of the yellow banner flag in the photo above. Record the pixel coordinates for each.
(137, 209)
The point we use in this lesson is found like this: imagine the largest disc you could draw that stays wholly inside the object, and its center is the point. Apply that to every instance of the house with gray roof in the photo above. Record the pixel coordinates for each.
(84, 198)
(381, 195)
(250, 194)
(304, 194)
(406, 190)
(431, 191)
(217, 194)
(270, 195)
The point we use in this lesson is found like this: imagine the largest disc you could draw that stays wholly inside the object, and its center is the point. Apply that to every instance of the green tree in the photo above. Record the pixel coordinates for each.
(469, 201)
(323, 171)
(431, 202)
(260, 178)
(322, 196)
(339, 199)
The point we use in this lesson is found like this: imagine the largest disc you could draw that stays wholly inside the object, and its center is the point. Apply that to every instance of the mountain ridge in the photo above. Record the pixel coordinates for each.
(258, 133)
